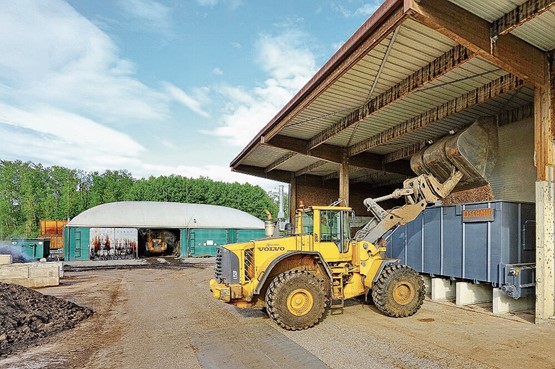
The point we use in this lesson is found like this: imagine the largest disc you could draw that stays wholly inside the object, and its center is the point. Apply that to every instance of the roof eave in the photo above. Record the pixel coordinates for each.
(365, 31)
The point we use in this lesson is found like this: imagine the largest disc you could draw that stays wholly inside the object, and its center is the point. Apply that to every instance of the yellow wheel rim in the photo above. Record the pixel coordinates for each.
(403, 293)
(299, 302)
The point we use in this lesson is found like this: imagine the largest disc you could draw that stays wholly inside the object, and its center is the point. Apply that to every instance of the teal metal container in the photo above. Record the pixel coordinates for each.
(32, 248)
(205, 242)
(246, 235)
(76, 243)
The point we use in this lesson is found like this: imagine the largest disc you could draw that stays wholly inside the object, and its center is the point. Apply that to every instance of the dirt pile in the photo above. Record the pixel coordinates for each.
(27, 316)
(479, 194)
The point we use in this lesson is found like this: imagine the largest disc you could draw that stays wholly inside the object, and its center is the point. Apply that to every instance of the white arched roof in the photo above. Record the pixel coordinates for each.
(151, 214)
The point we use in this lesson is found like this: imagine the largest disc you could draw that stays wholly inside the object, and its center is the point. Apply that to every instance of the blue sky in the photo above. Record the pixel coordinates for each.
(157, 87)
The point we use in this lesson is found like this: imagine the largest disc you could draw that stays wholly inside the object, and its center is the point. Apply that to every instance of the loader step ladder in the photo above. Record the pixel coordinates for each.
(337, 298)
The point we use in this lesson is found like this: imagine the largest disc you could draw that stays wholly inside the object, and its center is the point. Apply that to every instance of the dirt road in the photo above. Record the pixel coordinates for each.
(166, 318)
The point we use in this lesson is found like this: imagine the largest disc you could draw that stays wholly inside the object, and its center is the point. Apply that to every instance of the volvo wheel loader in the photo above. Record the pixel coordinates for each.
(298, 278)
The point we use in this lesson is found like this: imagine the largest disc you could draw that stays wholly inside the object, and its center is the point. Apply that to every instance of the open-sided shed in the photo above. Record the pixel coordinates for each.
(416, 71)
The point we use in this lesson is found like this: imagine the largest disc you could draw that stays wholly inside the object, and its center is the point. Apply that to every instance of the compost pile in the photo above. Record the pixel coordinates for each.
(27, 316)
(479, 194)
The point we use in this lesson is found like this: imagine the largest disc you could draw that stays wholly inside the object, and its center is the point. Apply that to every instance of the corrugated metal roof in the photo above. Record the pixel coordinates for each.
(538, 31)
(151, 214)
(406, 47)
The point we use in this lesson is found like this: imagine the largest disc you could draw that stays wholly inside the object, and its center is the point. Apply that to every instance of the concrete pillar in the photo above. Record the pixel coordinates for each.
(443, 289)
(503, 304)
(469, 293)
(427, 284)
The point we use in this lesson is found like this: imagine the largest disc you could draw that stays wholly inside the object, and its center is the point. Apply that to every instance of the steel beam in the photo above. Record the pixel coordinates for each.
(518, 16)
(508, 52)
(480, 95)
(430, 72)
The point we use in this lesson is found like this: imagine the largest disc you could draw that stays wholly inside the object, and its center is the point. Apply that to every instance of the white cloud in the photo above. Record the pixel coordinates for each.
(152, 12)
(215, 172)
(217, 72)
(47, 134)
(182, 97)
(209, 3)
(51, 54)
(365, 10)
(289, 63)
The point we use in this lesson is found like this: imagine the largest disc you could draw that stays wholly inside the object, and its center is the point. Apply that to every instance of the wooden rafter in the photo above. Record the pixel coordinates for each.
(333, 175)
(518, 16)
(310, 168)
(334, 154)
(480, 95)
(403, 153)
(508, 52)
(279, 161)
(430, 72)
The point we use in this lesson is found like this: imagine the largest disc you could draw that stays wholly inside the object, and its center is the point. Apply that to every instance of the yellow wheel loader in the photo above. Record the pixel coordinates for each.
(298, 278)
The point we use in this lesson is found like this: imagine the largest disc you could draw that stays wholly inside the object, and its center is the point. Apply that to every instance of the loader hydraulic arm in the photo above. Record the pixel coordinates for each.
(418, 192)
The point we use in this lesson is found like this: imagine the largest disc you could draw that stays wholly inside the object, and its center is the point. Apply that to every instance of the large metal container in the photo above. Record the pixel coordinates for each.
(488, 242)
(32, 248)
(205, 242)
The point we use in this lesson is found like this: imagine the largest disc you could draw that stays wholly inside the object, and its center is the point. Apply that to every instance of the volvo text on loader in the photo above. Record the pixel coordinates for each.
(298, 278)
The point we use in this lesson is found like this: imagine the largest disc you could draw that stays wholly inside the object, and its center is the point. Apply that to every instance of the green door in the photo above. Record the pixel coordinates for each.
(76, 244)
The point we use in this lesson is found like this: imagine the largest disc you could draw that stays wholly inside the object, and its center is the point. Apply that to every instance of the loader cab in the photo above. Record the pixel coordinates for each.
(328, 224)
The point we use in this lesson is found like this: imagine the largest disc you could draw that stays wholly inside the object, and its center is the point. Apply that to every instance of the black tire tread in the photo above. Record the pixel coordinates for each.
(381, 295)
(278, 313)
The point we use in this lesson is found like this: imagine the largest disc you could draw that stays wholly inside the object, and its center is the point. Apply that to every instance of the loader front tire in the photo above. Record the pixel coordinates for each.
(296, 300)
(399, 291)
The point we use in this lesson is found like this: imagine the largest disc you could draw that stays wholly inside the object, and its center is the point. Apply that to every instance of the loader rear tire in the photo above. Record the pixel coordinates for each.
(399, 291)
(296, 300)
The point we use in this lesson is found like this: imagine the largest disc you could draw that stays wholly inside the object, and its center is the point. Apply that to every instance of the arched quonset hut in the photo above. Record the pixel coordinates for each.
(130, 229)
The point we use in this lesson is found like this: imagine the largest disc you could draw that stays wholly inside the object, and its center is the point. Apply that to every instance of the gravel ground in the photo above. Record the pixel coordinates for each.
(166, 318)
(26, 316)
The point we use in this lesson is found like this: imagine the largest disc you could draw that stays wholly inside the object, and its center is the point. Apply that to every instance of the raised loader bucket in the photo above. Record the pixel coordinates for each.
(472, 151)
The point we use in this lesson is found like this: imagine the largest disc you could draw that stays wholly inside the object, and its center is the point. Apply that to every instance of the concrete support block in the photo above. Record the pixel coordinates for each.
(43, 271)
(443, 289)
(545, 248)
(31, 274)
(427, 284)
(13, 271)
(5, 259)
(504, 304)
(469, 293)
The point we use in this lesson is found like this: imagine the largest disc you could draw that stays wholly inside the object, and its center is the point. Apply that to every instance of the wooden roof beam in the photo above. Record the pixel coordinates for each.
(334, 154)
(275, 175)
(480, 95)
(310, 168)
(518, 16)
(508, 51)
(333, 175)
(430, 72)
(279, 161)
